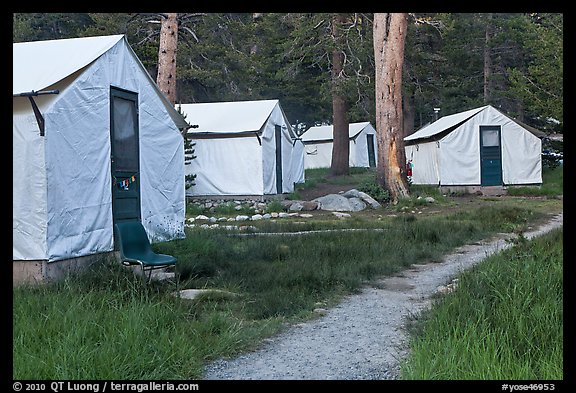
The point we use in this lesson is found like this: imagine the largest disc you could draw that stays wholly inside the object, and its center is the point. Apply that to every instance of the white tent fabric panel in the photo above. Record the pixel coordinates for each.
(298, 162)
(425, 158)
(317, 155)
(460, 156)
(527, 167)
(215, 176)
(524, 168)
(29, 216)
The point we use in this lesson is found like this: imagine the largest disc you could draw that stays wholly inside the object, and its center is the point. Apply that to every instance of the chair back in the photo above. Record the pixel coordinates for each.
(132, 238)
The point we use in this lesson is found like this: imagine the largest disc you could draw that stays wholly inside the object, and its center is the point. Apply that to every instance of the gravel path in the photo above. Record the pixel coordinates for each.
(364, 336)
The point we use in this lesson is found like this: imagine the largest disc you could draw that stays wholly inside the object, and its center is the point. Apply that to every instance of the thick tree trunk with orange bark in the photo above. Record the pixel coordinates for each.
(166, 79)
(389, 39)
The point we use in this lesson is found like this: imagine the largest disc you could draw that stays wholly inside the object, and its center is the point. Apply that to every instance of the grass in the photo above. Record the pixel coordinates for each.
(106, 324)
(505, 320)
(553, 185)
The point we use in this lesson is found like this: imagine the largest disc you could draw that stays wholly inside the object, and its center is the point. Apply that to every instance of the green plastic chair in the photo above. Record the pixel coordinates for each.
(135, 248)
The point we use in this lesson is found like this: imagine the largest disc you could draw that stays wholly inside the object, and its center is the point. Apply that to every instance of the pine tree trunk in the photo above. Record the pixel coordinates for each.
(166, 79)
(389, 39)
(341, 147)
(487, 60)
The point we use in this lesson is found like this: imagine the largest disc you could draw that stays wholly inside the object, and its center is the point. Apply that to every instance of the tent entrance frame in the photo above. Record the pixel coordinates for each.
(490, 155)
(125, 155)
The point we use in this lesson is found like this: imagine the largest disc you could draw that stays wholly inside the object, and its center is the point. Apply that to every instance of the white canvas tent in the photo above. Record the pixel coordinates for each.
(318, 143)
(242, 148)
(104, 146)
(478, 147)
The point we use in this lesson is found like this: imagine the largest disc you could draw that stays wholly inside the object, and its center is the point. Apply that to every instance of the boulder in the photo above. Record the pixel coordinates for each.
(340, 203)
(333, 202)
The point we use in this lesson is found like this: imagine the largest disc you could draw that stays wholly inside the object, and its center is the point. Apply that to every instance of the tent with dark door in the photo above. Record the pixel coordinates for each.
(318, 142)
(478, 147)
(94, 143)
(242, 148)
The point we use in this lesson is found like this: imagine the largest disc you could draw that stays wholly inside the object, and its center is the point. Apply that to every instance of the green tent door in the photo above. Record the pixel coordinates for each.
(371, 155)
(490, 156)
(125, 165)
(278, 138)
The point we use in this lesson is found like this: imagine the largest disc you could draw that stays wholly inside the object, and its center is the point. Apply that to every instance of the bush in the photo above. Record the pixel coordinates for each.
(375, 190)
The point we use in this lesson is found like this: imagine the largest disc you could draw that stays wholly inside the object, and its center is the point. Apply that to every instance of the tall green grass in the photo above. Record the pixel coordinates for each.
(505, 320)
(109, 325)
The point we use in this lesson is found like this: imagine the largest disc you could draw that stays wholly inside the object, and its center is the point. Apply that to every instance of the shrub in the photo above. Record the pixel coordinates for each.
(375, 190)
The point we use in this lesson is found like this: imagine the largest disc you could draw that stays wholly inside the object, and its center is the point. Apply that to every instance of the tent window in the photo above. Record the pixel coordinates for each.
(125, 138)
(490, 137)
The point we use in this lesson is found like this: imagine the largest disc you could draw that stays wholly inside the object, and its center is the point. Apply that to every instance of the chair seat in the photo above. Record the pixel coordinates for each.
(151, 259)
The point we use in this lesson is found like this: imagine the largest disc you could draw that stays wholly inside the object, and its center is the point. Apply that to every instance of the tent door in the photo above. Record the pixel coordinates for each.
(125, 165)
(490, 156)
(278, 137)
(371, 155)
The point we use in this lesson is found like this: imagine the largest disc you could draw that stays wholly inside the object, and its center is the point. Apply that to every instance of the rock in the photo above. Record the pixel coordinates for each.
(242, 218)
(320, 311)
(356, 204)
(267, 216)
(341, 215)
(354, 193)
(430, 199)
(333, 202)
(374, 204)
(256, 217)
(305, 215)
(201, 217)
(309, 205)
(191, 294)
(282, 215)
(296, 206)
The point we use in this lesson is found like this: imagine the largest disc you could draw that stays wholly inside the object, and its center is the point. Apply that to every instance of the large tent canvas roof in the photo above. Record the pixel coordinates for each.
(38, 65)
(443, 124)
(228, 117)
